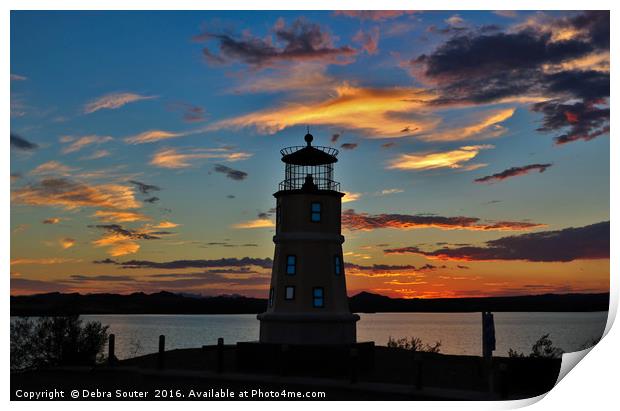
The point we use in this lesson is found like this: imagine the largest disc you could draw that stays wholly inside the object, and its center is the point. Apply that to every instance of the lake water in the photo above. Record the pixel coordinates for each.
(459, 333)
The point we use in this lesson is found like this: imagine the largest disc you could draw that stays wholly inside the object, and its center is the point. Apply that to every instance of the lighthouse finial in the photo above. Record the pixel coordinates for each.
(308, 136)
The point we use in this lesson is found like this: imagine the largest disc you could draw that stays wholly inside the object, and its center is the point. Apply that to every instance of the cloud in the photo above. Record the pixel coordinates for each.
(152, 136)
(376, 15)
(171, 158)
(349, 197)
(231, 173)
(513, 172)
(42, 261)
(66, 243)
(375, 112)
(429, 161)
(52, 167)
(455, 20)
(584, 121)
(301, 41)
(143, 187)
(68, 194)
(366, 222)
(85, 141)
(389, 191)
(120, 216)
(555, 60)
(104, 278)
(180, 264)
(151, 200)
(506, 13)
(113, 101)
(487, 127)
(51, 220)
(166, 224)
(304, 79)
(349, 146)
(257, 223)
(121, 241)
(581, 243)
(335, 137)
(21, 143)
(369, 40)
(17, 77)
(191, 113)
(97, 155)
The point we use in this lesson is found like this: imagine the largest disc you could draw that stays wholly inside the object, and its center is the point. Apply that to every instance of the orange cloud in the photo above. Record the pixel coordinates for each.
(114, 101)
(487, 127)
(51, 220)
(120, 216)
(42, 261)
(96, 155)
(430, 161)
(257, 223)
(349, 197)
(66, 243)
(61, 192)
(171, 158)
(52, 167)
(166, 224)
(366, 222)
(118, 244)
(378, 113)
(80, 143)
(152, 136)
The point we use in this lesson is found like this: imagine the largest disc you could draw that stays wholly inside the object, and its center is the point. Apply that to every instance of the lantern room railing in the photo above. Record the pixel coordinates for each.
(298, 183)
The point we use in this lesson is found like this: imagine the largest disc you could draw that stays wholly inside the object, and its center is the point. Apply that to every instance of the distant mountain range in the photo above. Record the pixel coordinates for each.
(169, 303)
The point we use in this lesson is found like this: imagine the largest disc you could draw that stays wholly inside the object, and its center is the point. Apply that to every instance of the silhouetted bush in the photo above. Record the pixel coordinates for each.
(413, 344)
(51, 341)
(543, 348)
(515, 354)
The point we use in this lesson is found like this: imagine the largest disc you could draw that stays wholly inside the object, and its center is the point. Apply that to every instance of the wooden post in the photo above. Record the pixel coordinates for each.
(488, 334)
(353, 365)
(488, 346)
(162, 352)
(111, 356)
(220, 355)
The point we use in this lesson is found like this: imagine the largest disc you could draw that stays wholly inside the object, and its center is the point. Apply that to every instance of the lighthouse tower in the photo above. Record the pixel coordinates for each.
(308, 294)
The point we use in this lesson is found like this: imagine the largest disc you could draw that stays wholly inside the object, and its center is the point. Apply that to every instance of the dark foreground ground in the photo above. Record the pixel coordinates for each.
(211, 374)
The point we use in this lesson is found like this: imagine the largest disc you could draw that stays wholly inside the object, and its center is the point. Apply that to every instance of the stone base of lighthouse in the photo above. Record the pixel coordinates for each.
(308, 328)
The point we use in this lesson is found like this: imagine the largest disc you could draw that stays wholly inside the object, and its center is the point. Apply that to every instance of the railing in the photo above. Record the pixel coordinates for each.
(297, 184)
(290, 150)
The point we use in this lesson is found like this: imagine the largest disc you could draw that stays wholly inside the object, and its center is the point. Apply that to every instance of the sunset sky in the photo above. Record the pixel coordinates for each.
(474, 148)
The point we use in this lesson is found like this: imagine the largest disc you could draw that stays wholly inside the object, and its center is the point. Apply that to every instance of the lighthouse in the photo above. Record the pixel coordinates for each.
(307, 302)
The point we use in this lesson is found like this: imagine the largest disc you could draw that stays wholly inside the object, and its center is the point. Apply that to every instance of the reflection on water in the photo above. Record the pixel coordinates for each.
(459, 333)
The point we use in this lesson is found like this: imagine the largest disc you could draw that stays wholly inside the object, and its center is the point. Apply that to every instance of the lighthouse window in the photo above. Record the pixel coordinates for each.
(271, 297)
(317, 297)
(291, 265)
(337, 265)
(289, 292)
(315, 215)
